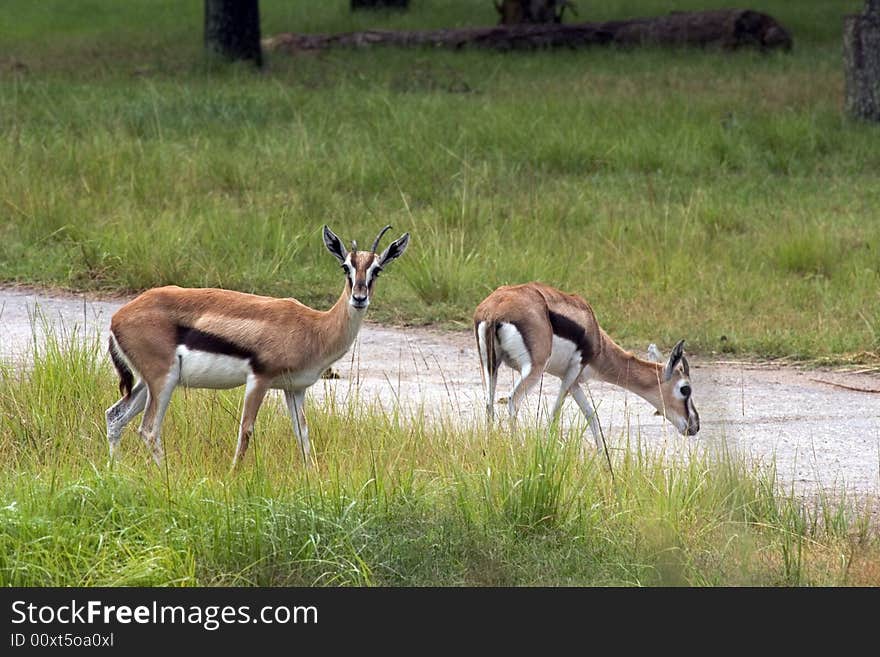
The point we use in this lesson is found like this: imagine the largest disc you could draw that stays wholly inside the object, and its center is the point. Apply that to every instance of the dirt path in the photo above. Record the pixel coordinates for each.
(821, 435)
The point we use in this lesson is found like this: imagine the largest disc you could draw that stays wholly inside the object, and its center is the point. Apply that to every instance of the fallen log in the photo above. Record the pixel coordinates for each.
(726, 28)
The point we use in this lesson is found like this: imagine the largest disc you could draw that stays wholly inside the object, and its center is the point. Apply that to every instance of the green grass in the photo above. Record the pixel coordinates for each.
(721, 197)
(392, 501)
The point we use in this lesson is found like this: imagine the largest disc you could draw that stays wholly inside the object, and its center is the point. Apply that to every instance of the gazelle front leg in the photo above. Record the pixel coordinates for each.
(254, 393)
(570, 376)
(589, 412)
(295, 400)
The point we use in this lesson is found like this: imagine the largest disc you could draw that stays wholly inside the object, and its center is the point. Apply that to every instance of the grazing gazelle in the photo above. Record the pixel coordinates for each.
(212, 338)
(535, 328)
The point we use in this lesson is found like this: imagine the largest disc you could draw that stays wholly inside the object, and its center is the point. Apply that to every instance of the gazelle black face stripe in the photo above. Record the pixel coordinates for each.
(693, 410)
(349, 270)
(373, 274)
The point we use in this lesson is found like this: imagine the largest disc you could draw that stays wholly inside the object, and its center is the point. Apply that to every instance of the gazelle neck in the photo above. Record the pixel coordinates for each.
(339, 326)
(614, 364)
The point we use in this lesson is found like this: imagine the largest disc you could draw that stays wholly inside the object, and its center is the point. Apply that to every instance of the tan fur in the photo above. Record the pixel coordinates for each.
(528, 306)
(287, 335)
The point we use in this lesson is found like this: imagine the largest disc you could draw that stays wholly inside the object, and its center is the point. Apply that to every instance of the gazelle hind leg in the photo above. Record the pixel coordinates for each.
(295, 400)
(254, 393)
(491, 384)
(489, 367)
(123, 412)
(529, 365)
(529, 376)
(158, 398)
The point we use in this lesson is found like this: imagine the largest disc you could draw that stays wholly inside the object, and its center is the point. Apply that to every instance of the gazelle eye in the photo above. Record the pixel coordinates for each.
(686, 390)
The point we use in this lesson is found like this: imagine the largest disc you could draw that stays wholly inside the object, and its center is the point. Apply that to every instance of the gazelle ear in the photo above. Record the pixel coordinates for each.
(394, 250)
(334, 244)
(654, 354)
(676, 355)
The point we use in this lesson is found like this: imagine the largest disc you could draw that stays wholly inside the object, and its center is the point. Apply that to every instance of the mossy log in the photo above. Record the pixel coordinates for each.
(728, 28)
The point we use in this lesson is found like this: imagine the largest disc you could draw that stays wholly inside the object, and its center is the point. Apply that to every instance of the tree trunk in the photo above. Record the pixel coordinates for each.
(516, 12)
(379, 4)
(232, 29)
(861, 57)
(728, 28)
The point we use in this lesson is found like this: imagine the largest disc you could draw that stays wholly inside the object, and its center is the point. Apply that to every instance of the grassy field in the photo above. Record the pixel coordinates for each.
(390, 502)
(720, 197)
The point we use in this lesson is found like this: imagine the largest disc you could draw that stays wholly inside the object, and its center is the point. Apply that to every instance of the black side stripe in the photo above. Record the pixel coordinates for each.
(570, 330)
(193, 338)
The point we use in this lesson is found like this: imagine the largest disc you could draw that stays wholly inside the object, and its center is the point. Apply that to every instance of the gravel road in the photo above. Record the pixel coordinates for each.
(822, 435)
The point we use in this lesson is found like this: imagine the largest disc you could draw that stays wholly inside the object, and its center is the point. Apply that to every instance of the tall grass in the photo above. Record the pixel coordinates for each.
(392, 501)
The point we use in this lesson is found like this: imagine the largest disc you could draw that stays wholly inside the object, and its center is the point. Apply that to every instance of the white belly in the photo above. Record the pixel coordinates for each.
(203, 369)
(297, 380)
(564, 354)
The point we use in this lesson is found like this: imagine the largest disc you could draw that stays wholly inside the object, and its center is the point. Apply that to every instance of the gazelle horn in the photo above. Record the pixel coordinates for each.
(376, 243)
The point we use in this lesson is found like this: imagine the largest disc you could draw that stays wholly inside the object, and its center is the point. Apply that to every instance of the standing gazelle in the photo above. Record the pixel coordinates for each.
(212, 338)
(535, 328)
